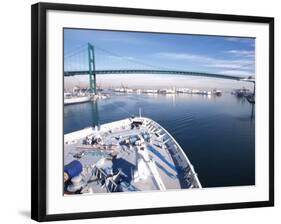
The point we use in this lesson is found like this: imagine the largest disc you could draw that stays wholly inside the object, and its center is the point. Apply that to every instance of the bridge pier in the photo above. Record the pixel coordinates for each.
(92, 69)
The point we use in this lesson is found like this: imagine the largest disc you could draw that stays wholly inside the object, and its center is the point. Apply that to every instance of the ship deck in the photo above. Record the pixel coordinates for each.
(128, 155)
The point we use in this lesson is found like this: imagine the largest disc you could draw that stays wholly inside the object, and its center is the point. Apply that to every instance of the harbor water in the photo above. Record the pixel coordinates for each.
(217, 133)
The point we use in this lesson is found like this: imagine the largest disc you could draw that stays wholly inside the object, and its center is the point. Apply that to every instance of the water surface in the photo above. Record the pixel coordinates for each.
(216, 133)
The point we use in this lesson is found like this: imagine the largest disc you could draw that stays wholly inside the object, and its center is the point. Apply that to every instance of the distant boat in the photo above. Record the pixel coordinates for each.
(183, 90)
(129, 90)
(150, 91)
(195, 91)
(217, 92)
(170, 91)
(250, 98)
(241, 92)
(76, 99)
(120, 90)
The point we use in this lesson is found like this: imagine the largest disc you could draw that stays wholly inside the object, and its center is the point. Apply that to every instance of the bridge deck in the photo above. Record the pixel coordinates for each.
(170, 72)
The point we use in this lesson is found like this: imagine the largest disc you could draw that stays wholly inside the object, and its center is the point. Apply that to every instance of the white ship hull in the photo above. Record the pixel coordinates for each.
(75, 100)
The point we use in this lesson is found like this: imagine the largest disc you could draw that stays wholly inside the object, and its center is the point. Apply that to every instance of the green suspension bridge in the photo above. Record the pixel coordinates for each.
(83, 61)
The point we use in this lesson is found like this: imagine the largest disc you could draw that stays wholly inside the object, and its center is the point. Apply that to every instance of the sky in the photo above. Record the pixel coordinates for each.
(139, 50)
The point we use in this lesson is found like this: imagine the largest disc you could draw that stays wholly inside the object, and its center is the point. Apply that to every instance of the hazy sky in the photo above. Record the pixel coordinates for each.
(136, 50)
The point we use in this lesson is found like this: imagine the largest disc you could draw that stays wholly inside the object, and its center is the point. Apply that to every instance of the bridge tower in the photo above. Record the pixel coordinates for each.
(92, 69)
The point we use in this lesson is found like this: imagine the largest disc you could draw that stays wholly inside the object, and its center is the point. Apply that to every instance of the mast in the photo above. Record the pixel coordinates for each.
(139, 112)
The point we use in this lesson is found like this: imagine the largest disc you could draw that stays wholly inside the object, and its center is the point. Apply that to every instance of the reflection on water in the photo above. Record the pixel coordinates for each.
(217, 133)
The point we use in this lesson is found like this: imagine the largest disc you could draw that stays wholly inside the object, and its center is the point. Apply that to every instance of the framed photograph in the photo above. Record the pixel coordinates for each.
(139, 111)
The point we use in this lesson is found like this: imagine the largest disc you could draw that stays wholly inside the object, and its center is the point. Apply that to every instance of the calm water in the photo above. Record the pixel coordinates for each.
(216, 133)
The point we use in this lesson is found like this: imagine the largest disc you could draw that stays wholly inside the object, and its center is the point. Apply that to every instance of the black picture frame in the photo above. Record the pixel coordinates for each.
(39, 108)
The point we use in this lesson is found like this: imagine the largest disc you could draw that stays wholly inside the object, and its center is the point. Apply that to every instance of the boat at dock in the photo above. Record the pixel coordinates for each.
(76, 99)
(217, 92)
(133, 154)
(77, 95)
(240, 92)
(250, 98)
(244, 93)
